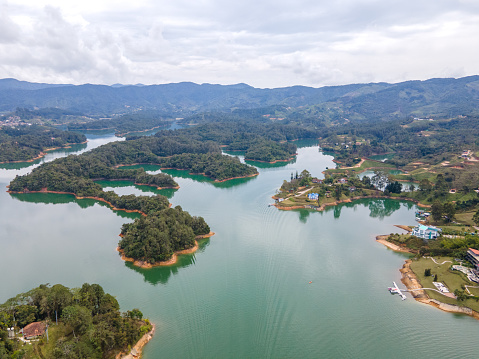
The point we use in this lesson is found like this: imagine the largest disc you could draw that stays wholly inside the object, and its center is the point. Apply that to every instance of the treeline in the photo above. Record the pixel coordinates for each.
(76, 174)
(22, 143)
(90, 324)
(260, 141)
(131, 122)
(156, 237)
(213, 165)
(454, 245)
(429, 141)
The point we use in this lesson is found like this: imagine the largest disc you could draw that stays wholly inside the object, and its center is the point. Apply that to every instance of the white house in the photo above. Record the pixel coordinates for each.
(426, 232)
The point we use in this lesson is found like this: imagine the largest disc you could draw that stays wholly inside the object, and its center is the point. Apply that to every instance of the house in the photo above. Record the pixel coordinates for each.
(33, 330)
(317, 180)
(472, 256)
(352, 189)
(426, 232)
(313, 196)
(342, 180)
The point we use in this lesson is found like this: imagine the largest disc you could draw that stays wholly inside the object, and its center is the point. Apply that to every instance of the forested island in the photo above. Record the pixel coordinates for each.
(25, 143)
(81, 322)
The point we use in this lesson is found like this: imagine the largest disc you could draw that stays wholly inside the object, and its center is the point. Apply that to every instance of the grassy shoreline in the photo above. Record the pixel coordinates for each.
(413, 277)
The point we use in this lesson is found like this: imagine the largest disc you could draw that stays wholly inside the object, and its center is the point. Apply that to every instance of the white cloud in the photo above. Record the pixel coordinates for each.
(266, 44)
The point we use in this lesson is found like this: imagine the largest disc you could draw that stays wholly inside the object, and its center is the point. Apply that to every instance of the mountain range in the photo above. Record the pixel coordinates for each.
(440, 97)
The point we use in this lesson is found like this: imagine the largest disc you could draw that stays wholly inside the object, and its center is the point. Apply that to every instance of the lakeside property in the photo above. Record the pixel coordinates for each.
(446, 282)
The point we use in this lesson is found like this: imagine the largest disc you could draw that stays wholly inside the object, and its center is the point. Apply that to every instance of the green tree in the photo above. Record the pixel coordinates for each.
(305, 178)
(449, 210)
(425, 185)
(78, 318)
(475, 218)
(441, 185)
(437, 211)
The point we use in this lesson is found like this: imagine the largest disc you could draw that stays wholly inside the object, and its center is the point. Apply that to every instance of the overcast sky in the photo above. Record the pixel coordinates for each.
(263, 43)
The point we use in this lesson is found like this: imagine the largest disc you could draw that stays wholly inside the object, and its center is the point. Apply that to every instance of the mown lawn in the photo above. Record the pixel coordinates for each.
(451, 278)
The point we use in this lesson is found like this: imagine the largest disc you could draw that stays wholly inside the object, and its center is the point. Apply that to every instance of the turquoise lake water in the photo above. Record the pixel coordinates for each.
(246, 292)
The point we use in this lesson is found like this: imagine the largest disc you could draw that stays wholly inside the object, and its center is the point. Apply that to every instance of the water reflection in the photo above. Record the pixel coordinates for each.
(57, 198)
(154, 169)
(139, 189)
(379, 208)
(161, 275)
(303, 215)
(270, 165)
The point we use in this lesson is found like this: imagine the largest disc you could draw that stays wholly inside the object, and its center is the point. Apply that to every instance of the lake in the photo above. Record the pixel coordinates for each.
(245, 293)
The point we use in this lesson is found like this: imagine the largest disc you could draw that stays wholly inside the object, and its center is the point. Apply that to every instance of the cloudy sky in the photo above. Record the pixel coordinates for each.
(264, 43)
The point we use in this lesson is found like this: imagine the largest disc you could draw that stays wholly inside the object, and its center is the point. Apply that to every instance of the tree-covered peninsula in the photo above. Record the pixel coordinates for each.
(24, 143)
(157, 237)
(68, 323)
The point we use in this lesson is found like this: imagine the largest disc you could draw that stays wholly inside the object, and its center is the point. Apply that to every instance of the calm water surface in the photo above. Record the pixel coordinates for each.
(246, 292)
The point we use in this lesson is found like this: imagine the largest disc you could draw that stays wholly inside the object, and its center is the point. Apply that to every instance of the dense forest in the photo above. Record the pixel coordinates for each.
(23, 143)
(82, 322)
(158, 236)
(260, 141)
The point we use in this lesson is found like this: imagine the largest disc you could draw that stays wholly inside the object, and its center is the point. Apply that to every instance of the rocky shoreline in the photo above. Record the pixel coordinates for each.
(138, 347)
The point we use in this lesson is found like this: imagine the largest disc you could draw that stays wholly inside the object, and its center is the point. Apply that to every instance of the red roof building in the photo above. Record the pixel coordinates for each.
(34, 330)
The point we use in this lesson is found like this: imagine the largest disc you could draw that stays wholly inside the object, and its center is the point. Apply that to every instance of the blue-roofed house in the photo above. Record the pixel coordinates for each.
(313, 196)
(426, 232)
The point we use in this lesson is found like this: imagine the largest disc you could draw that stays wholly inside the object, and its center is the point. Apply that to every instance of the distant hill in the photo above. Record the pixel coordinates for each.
(12, 84)
(435, 97)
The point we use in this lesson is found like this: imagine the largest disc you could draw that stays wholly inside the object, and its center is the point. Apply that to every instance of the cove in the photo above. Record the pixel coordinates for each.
(245, 293)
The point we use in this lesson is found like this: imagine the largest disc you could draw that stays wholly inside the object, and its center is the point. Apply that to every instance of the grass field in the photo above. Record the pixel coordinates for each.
(451, 278)
(466, 218)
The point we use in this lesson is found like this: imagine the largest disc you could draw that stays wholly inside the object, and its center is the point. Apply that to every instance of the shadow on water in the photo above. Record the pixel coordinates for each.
(57, 198)
(167, 192)
(270, 165)
(161, 275)
(197, 178)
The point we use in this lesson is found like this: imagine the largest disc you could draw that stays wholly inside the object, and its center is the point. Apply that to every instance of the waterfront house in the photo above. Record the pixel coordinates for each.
(426, 232)
(472, 256)
(33, 330)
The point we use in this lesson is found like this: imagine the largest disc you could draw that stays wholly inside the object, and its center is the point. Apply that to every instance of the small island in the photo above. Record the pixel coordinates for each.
(157, 239)
(57, 322)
